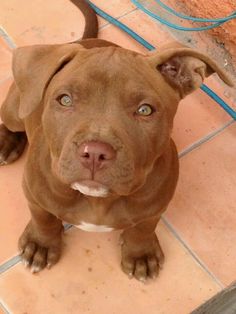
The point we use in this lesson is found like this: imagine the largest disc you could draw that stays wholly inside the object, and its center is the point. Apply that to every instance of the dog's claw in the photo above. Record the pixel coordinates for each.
(36, 256)
(142, 279)
(25, 263)
(35, 269)
(49, 265)
(2, 160)
(144, 266)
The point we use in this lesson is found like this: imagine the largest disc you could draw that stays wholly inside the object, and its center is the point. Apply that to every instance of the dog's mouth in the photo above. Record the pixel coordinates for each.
(91, 188)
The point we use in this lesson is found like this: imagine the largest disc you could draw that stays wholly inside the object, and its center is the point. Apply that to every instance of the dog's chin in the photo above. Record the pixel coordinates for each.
(91, 188)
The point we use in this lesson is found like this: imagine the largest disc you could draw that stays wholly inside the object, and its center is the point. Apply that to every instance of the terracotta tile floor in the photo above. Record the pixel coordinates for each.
(5, 61)
(197, 232)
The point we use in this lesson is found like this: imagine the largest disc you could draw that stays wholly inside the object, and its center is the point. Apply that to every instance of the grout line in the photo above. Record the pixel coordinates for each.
(3, 307)
(108, 23)
(9, 264)
(67, 227)
(10, 42)
(7, 38)
(119, 17)
(205, 139)
(188, 248)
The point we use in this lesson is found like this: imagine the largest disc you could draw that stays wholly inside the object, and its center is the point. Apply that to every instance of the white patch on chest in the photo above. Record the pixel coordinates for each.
(93, 228)
(95, 192)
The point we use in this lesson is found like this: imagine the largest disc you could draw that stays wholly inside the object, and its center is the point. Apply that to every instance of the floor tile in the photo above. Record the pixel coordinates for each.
(115, 8)
(4, 87)
(114, 34)
(14, 212)
(1, 310)
(141, 24)
(51, 22)
(203, 209)
(55, 21)
(198, 115)
(5, 60)
(89, 278)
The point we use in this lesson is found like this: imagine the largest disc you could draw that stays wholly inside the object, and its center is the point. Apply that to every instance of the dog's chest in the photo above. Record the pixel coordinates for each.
(96, 216)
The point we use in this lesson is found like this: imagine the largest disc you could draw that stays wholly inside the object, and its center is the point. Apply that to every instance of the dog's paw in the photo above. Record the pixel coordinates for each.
(143, 263)
(12, 145)
(35, 255)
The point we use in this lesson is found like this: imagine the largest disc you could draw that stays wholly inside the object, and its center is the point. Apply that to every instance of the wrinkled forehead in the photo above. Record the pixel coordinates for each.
(109, 61)
(105, 67)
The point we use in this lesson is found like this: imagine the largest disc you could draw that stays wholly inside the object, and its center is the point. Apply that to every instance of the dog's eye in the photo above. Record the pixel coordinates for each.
(65, 100)
(145, 110)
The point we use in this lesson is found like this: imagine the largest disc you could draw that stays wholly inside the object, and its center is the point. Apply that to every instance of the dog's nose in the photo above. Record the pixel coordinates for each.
(96, 155)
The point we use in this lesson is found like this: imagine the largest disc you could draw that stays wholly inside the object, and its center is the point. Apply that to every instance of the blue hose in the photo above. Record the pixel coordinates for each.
(121, 26)
(147, 45)
(219, 100)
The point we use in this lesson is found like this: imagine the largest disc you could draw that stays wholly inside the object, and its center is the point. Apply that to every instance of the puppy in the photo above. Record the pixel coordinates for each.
(98, 119)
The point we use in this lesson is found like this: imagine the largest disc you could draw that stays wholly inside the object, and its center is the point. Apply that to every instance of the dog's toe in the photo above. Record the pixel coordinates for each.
(39, 261)
(53, 256)
(36, 258)
(141, 271)
(141, 268)
(2, 160)
(144, 262)
(128, 267)
(28, 253)
(12, 145)
(153, 266)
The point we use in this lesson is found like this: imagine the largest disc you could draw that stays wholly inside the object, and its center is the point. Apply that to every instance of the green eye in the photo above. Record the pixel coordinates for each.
(65, 100)
(145, 110)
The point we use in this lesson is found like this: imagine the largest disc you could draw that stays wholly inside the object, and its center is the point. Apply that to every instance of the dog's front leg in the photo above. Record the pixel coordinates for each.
(40, 243)
(141, 251)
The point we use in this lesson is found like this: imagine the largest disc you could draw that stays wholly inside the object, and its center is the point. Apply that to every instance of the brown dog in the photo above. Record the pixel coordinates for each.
(98, 119)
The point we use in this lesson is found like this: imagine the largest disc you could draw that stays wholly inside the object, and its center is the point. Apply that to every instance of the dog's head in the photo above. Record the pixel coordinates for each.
(107, 112)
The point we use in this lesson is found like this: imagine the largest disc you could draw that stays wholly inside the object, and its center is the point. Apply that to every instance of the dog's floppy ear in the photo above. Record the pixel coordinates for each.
(34, 67)
(184, 68)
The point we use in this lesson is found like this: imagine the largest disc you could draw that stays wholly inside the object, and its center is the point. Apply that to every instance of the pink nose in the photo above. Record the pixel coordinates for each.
(96, 155)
